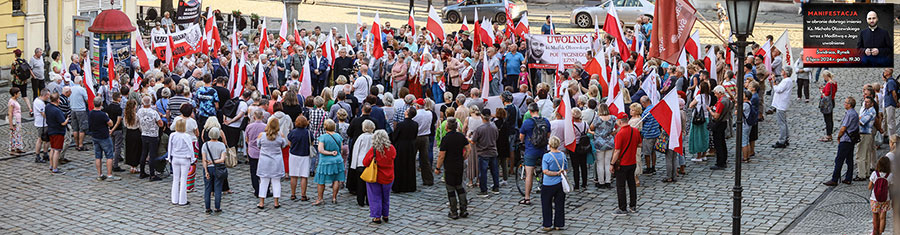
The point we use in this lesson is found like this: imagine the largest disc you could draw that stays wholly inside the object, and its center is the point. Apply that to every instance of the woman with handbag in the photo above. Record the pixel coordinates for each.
(555, 186)
(213, 153)
(360, 147)
(270, 168)
(213, 122)
(826, 104)
(301, 140)
(698, 139)
(380, 158)
(330, 169)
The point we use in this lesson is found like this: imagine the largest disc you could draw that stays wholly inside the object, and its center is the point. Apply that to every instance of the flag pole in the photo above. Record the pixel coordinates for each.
(716, 33)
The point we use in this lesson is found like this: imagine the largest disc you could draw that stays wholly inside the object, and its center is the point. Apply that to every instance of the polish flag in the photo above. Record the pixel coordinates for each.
(137, 82)
(559, 79)
(359, 23)
(434, 24)
(412, 21)
(476, 40)
(710, 63)
(612, 27)
(729, 55)
(766, 51)
(565, 108)
(110, 65)
(465, 24)
(377, 50)
(233, 78)
(207, 32)
(328, 49)
(668, 114)
(264, 39)
(783, 44)
(297, 40)
(347, 36)
(509, 21)
(283, 31)
(616, 102)
(487, 31)
(170, 60)
(141, 52)
(682, 59)
(305, 81)
(89, 82)
(651, 87)
(692, 46)
(639, 64)
(262, 84)
(552, 27)
(522, 27)
(485, 77)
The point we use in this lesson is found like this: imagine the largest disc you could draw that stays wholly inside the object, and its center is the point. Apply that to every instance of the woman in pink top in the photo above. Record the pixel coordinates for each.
(399, 73)
(14, 117)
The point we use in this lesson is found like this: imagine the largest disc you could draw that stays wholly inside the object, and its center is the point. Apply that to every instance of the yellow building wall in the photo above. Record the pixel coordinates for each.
(10, 24)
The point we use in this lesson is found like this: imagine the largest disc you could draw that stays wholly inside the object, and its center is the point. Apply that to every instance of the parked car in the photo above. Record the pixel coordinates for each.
(628, 11)
(486, 8)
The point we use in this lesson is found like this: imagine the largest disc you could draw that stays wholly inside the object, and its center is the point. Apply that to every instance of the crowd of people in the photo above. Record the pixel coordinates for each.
(391, 112)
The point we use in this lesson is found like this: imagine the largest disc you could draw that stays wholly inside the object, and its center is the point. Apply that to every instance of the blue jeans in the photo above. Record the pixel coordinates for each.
(213, 184)
(844, 155)
(103, 147)
(485, 162)
(819, 71)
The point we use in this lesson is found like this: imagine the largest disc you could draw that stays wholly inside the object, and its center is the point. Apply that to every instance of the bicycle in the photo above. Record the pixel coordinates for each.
(520, 175)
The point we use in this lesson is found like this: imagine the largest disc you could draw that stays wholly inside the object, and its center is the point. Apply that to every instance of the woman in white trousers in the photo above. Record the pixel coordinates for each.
(181, 155)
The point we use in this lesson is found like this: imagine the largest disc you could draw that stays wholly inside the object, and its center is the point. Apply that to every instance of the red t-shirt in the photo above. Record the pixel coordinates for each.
(629, 147)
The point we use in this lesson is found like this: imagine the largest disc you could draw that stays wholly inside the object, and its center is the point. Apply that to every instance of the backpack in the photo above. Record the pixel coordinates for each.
(23, 69)
(583, 143)
(753, 118)
(231, 106)
(881, 188)
(539, 135)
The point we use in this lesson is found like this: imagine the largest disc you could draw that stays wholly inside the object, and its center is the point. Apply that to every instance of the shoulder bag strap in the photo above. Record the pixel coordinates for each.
(557, 161)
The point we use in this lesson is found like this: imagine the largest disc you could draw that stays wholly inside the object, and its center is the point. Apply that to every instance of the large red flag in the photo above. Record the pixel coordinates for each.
(411, 22)
(667, 113)
(671, 29)
(476, 40)
(263, 39)
(522, 27)
(434, 24)
(614, 28)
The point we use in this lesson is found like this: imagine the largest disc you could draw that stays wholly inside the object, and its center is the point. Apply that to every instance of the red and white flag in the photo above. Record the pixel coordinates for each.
(262, 84)
(766, 51)
(110, 65)
(487, 32)
(485, 76)
(668, 114)
(297, 39)
(682, 60)
(616, 101)
(234, 77)
(522, 26)
(305, 81)
(710, 63)
(692, 46)
(476, 39)
(639, 64)
(170, 60)
(263, 39)
(651, 87)
(137, 82)
(328, 49)
(434, 24)
(142, 53)
(565, 108)
(347, 36)
(507, 7)
(283, 30)
(783, 44)
(670, 29)
(552, 27)
(614, 28)
(377, 50)
(559, 79)
(412, 21)
(465, 24)
(729, 56)
(89, 82)
(205, 41)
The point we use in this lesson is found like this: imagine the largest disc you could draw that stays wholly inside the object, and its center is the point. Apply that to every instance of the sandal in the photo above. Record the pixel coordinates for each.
(304, 198)
(525, 201)
(317, 203)
(376, 221)
(293, 197)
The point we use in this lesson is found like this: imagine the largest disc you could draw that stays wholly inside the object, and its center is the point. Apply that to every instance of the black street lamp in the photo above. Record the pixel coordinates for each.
(742, 16)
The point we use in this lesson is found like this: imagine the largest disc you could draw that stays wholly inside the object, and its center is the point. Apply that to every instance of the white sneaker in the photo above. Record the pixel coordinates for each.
(696, 159)
(113, 178)
(502, 183)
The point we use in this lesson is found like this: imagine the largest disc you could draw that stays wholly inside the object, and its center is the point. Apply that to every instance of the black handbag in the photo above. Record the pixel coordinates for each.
(698, 118)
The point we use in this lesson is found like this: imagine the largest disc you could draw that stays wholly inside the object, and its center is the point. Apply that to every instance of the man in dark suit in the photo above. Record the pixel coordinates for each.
(874, 43)
(319, 67)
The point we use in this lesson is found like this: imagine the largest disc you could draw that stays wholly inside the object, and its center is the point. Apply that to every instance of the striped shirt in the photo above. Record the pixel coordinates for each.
(650, 128)
(175, 104)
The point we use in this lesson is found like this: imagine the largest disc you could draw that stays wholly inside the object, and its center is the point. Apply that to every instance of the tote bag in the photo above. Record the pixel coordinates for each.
(370, 174)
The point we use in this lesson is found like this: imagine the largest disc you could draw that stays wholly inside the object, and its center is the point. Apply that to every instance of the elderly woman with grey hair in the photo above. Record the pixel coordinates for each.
(360, 148)
(382, 154)
(150, 122)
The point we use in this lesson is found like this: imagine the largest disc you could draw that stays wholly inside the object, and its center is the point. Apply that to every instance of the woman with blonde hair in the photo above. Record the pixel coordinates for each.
(181, 155)
(328, 96)
(270, 168)
(382, 153)
(636, 123)
(330, 169)
(553, 199)
(828, 90)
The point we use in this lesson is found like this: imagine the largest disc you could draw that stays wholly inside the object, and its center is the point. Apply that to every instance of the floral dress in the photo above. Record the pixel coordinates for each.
(15, 122)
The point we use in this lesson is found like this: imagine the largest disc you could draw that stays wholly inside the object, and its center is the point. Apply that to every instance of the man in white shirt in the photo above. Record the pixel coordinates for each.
(361, 84)
(781, 100)
(40, 122)
(426, 120)
(494, 66)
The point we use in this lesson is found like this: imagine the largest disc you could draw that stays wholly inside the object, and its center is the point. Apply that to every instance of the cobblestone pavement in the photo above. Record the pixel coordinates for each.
(841, 211)
(779, 185)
